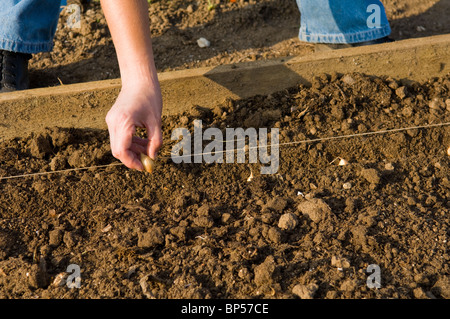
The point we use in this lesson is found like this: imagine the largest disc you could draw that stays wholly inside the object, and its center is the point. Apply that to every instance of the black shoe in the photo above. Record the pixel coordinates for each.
(321, 47)
(13, 71)
(84, 4)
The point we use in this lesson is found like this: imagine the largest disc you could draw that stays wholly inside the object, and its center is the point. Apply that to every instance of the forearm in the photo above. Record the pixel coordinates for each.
(129, 25)
(139, 103)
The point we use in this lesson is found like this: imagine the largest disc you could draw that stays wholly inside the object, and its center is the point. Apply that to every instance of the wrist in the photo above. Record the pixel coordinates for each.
(138, 83)
(143, 86)
(139, 73)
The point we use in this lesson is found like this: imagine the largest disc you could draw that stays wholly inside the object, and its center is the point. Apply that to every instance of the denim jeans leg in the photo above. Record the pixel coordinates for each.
(28, 26)
(342, 21)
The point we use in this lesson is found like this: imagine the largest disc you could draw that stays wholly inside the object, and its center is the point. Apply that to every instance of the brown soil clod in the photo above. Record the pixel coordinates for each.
(205, 231)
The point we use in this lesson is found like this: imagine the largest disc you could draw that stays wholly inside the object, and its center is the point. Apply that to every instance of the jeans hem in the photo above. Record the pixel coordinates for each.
(339, 38)
(25, 47)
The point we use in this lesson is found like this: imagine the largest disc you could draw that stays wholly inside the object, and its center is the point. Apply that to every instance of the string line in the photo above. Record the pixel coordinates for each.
(321, 139)
(254, 147)
(61, 171)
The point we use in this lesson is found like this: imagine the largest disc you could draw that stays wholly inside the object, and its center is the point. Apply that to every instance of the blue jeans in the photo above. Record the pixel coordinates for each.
(28, 26)
(342, 21)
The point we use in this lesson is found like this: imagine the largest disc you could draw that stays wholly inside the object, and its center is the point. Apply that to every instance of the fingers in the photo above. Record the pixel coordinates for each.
(127, 148)
(123, 148)
(133, 110)
(138, 149)
(130, 159)
(148, 146)
(140, 141)
(155, 140)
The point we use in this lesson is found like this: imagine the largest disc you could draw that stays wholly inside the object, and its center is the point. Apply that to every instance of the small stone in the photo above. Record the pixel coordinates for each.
(226, 217)
(362, 128)
(204, 221)
(340, 262)
(243, 273)
(389, 166)
(436, 104)
(305, 291)
(288, 221)
(412, 132)
(274, 235)
(55, 237)
(393, 85)
(349, 285)
(277, 204)
(401, 92)
(411, 201)
(58, 163)
(420, 28)
(347, 186)
(316, 209)
(203, 43)
(190, 9)
(371, 175)
(419, 293)
(407, 111)
(348, 79)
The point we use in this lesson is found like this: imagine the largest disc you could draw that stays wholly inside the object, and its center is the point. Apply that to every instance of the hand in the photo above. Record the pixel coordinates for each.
(139, 103)
(135, 107)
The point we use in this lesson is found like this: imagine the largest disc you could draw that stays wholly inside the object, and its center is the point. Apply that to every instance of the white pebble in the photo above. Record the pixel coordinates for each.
(343, 162)
(347, 186)
(203, 43)
(420, 28)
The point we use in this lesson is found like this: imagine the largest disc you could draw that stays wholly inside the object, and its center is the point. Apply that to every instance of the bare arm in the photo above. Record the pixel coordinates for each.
(139, 103)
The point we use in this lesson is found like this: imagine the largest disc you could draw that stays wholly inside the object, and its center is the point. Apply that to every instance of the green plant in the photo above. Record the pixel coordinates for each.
(211, 6)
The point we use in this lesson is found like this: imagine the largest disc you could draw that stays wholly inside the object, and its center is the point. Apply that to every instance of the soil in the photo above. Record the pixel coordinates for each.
(245, 30)
(226, 231)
